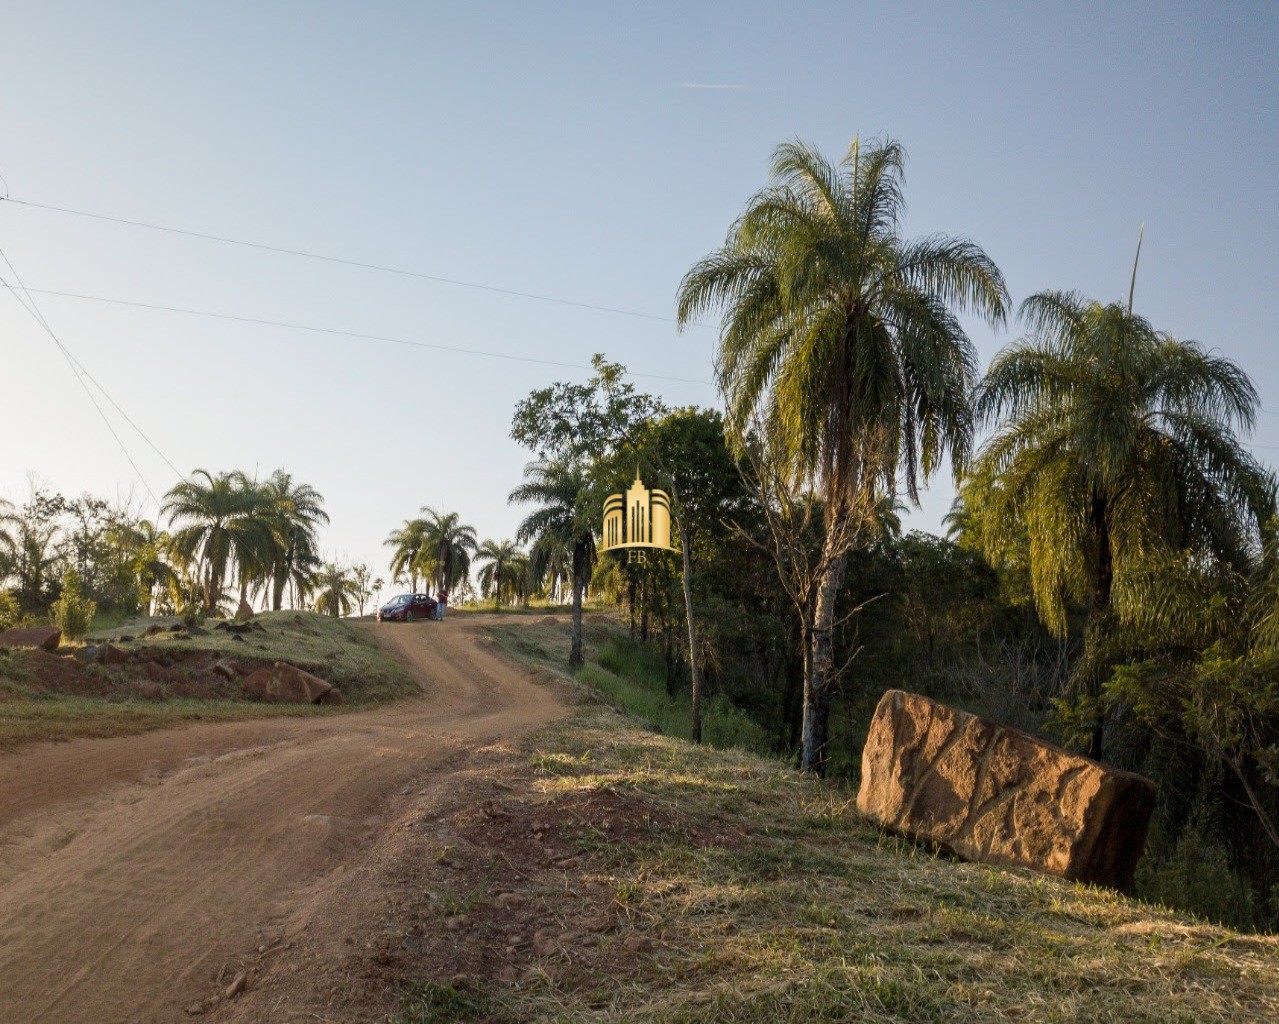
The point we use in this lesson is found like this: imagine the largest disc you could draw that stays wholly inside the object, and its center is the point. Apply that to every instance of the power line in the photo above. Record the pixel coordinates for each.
(342, 261)
(337, 332)
(76, 369)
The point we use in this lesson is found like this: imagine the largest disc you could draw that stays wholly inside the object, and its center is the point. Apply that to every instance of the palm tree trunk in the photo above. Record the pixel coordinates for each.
(575, 658)
(1097, 620)
(819, 679)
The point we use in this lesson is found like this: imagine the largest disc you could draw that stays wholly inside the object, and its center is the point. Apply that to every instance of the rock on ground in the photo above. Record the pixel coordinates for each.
(46, 638)
(995, 794)
(283, 683)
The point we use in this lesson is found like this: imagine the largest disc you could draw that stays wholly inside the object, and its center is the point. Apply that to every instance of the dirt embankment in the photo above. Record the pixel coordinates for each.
(140, 877)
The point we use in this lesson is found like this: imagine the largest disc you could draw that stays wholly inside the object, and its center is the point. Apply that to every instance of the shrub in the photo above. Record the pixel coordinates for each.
(73, 612)
(10, 613)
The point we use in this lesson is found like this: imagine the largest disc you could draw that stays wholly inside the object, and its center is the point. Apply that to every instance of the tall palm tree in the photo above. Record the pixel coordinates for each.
(296, 512)
(842, 338)
(7, 543)
(503, 570)
(450, 544)
(564, 519)
(1116, 445)
(408, 543)
(337, 590)
(218, 520)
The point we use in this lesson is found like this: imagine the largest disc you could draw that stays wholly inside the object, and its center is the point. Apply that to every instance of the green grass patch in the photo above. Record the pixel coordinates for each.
(631, 676)
(339, 651)
(342, 652)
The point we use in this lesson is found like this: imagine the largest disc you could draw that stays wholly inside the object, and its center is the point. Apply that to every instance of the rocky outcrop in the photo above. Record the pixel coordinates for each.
(46, 638)
(998, 795)
(106, 654)
(283, 683)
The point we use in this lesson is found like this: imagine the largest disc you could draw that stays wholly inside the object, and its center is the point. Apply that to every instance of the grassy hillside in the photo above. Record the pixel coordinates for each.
(658, 881)
(47, 698)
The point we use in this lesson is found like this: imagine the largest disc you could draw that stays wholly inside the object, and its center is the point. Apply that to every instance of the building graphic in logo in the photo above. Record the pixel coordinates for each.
(637, 520)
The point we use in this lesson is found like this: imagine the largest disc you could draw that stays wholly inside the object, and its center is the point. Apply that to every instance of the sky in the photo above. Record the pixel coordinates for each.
(583, 152)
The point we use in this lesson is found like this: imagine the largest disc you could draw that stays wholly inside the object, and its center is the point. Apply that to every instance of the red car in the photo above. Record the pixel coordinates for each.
(408, 608)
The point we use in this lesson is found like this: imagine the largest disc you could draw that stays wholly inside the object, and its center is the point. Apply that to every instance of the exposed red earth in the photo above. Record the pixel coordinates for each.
(146, 877)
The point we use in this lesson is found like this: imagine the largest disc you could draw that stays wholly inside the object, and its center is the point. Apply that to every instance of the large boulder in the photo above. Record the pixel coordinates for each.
(994, 794)
(46, 638)
(283, 683)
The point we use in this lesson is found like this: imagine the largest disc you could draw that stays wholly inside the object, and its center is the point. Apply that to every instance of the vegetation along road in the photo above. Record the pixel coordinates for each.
(141, 876)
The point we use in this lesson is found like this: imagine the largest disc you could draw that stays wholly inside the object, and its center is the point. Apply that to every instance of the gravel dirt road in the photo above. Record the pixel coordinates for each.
(137, 873)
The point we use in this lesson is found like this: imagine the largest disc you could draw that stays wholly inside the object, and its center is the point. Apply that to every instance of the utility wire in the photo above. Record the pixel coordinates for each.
(382, 268)
(33, 310)
(337, 332)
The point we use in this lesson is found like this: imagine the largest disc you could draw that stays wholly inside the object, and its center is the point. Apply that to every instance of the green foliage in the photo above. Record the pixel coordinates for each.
(1114, 442)
(633, 676)
(10, 611)
(73, 612)
(336, 589)
(577, 423)
(430, 1002)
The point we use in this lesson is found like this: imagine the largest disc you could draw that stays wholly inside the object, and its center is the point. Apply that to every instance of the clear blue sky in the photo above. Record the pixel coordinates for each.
(587, 151)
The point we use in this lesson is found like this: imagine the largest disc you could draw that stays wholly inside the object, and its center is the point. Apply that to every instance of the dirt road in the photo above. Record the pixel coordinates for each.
(134, 870)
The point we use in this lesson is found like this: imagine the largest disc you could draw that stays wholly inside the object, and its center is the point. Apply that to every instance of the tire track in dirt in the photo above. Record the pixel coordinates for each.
(132, 870)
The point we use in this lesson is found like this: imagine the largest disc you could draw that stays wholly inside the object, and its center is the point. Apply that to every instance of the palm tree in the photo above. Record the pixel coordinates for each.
(1116, 446)
(296, 511)
(841, 338)
(564, 520)
(222, 520)
(148, 558)
(503, 571)
(550, 567)
(7, 544)
(337, 590)
(408, 541)
(450, 544)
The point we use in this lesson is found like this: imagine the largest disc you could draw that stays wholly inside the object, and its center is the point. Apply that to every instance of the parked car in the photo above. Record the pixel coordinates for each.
(407, 608)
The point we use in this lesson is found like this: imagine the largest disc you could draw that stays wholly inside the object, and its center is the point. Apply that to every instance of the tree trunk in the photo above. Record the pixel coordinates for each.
(579, 584)
(1098, 617)
(695, 670)
(819, 678)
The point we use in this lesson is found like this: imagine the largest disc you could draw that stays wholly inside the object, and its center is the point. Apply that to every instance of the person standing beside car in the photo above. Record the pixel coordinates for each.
(441, 602)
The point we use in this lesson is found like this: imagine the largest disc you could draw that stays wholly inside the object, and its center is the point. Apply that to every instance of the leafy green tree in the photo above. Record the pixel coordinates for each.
(578, 423)
(1115, 449)
(217, 520)
(840, 339)
(336, 590)
(564, 518)
(73, 612)
(33, 532)
(503, 571)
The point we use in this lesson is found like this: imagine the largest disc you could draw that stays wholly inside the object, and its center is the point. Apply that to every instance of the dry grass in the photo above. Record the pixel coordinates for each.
(744, 892)
(741, 891)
